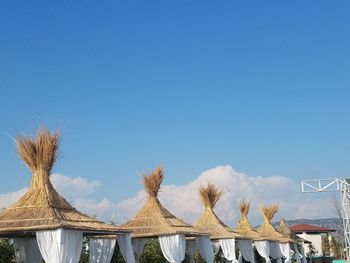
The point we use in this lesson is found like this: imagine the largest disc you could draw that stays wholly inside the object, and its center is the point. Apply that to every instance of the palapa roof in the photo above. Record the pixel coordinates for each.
(209, 222)
(285, 230)
(42, 207)
(267, 229)
(244, 228)
(154, 219)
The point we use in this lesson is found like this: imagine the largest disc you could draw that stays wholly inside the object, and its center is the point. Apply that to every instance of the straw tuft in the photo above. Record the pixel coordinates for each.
(244, 207)
(210, 195)
(153, 181)
(39, 152)
(209, 222)
(269, 211)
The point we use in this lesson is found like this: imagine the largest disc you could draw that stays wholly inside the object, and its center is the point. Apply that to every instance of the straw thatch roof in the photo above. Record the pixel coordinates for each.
(209, 222)
(244, 228)
(153, 219)
(42, 207)
(267, 228)
(285, 230)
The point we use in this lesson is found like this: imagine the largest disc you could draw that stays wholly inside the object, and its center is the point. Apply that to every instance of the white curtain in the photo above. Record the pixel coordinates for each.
(245, 250)
(228, 247)
(137, 246)
(275, 251)
(263, 248)
(26, 250)
(125, 247)
(101, 250)
(285, 249)
(173, 247)
(297, 255)
(302, 251)
(205, 248)
(191, 246)
(216, 247)
(60, 246)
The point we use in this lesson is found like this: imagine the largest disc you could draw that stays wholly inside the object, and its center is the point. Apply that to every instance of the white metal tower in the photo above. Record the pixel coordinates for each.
(330, 185)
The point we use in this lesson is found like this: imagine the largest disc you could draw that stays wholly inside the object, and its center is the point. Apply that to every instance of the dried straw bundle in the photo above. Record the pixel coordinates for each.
(153, 181)
(210, 195)
(244, 228)
(209, 222)
(39, 152)
(153, 219)
(42, 207)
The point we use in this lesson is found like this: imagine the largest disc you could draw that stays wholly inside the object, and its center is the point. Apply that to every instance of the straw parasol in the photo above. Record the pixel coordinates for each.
(267, 228)
(42, 207)
(153, 219)
(244, 228)
(285, 230)
(209, 222)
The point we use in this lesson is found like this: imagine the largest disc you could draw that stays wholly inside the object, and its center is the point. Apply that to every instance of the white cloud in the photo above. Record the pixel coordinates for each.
(183, 201)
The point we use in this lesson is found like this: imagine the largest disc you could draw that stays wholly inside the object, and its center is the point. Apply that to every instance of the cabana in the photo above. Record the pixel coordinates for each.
(244, 228)
(280, 247)
(285, 230)
(155, 221)
(220, 234)
(42, 223)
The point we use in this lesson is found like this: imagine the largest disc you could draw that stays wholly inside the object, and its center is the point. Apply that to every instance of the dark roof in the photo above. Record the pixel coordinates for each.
(310, 228)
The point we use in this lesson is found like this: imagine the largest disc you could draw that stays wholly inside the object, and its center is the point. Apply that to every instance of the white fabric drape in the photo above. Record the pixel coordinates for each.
(101, 250)
(216, 247)
(297, 255)
(60, 246)
(263, 248)
(302, 251)
(191, 246)
(275, 251)
(245, 250)
(228, 247)
(26, 250)
(173, 247)
(125, 247)
(137, 246)
(205, 248)
(285, 249)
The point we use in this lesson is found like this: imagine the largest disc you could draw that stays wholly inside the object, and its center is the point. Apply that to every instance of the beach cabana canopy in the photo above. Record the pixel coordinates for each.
(43, 213)
(154, 220)
(244, 228)
(299, 254)
(210, 223)
(280, 248)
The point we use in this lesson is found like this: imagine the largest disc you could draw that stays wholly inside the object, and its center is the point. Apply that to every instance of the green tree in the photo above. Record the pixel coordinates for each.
(7, 252)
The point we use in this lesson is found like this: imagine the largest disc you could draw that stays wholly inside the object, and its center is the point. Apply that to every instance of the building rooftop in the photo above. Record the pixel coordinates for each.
(310, 228)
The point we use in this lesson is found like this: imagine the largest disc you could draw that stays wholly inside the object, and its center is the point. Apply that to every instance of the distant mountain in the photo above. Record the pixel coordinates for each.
(332, 223)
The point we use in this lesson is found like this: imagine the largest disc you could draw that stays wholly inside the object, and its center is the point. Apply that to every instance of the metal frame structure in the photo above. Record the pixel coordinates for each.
(331, 185)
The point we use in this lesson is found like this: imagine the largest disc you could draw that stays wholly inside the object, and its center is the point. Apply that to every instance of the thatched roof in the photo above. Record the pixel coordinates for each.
(267, 229)
(153, 219)
(285, 230)
(209, 221)
(42, 207)
(244, 228)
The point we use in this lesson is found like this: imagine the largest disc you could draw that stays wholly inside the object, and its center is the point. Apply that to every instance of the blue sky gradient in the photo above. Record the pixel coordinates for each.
(259, 85)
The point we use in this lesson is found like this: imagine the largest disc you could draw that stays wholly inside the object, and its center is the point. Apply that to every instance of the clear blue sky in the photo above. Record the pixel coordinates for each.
(260, 85)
